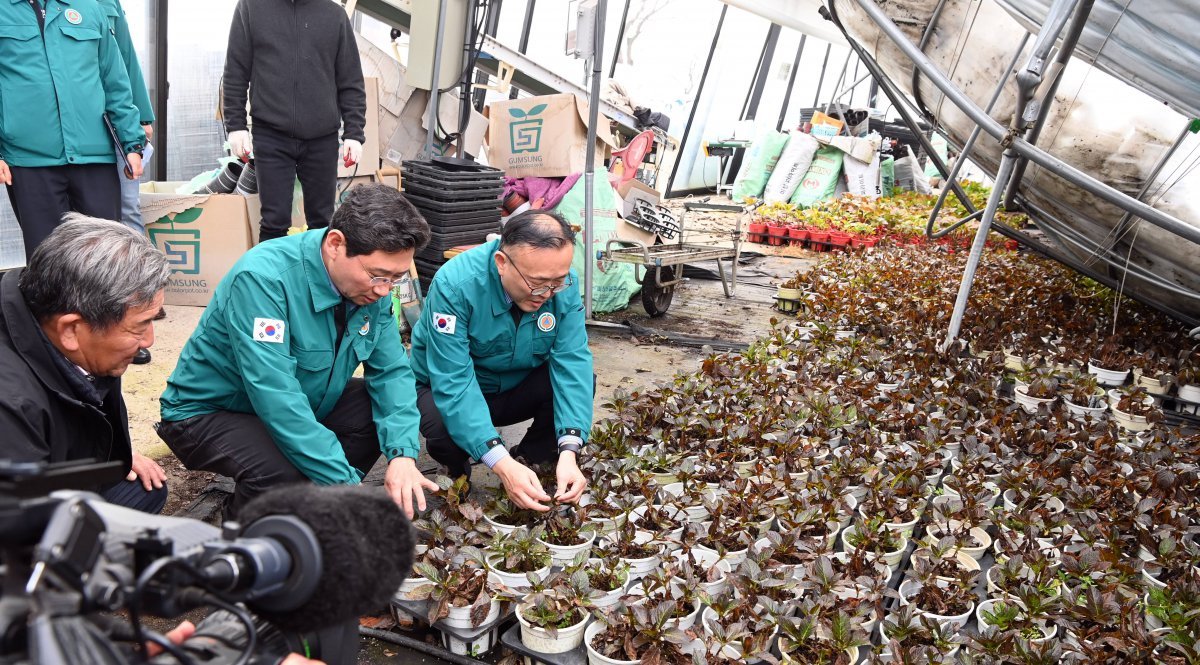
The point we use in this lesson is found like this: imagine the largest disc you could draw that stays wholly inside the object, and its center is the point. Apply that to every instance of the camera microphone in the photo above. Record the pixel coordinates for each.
(314, 556)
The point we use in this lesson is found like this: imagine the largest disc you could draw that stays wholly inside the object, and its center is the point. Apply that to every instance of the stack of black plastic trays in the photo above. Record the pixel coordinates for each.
(461, 204)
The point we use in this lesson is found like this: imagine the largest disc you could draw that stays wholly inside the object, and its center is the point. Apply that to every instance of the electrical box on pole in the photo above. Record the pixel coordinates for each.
(581, 29)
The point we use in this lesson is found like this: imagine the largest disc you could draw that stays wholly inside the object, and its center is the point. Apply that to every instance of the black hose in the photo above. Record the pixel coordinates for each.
(417, 645)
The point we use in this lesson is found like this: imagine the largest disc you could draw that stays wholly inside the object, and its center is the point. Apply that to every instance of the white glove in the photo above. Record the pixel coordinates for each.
(239, 144)
(351, 152)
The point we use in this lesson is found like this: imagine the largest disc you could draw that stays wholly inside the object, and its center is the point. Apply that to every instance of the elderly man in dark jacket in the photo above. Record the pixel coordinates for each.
(70, 325)
(299, 60)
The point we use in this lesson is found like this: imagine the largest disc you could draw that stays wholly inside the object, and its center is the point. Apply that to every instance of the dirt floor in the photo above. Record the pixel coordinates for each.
(624, 359)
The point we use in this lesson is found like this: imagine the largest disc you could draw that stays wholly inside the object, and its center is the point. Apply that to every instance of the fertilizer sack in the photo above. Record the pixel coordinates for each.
(862, 178)
(757, 166)
(821, 180)
(613, 284)
(793, 163)
(887, 176)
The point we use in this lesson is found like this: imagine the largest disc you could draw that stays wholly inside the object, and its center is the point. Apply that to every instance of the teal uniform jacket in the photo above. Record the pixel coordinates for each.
(467, 345)
(137, 82)
(266, 345)
(57, 84)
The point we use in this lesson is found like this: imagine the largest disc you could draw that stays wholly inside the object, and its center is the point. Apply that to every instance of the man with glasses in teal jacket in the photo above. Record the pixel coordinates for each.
(502, 340)
(263, 390)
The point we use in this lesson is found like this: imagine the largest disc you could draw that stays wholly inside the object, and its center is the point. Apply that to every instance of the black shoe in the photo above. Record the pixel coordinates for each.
(142, 357)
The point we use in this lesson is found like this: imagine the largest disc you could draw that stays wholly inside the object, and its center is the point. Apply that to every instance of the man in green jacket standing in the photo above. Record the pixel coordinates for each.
(263, 390)
(501, 340)
(60, 74)
(131, 212)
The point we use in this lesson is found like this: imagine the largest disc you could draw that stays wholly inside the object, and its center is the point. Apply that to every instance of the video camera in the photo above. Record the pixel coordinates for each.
(295, 578)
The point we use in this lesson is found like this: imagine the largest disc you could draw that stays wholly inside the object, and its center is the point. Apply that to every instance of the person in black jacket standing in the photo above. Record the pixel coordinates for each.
(70, 324)
(299, 60)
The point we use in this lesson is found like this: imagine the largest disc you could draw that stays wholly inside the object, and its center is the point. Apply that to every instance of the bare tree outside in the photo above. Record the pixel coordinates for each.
(635, 24)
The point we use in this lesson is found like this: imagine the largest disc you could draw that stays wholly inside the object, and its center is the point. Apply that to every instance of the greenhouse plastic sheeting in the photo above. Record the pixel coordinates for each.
(1149, 43)
(1103, 126)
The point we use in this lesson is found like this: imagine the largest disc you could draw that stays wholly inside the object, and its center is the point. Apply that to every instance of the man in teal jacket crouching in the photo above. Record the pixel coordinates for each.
(501, 340)
(263, 390)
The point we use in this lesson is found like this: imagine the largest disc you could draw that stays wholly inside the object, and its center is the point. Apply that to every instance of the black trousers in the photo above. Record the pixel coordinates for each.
(41, 195)
(132, 494)
(532, 398)
(278, 160)
(239, 445)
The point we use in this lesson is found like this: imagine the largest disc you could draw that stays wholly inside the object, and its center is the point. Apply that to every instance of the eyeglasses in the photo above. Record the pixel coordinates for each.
(381, 281)
(540, 290)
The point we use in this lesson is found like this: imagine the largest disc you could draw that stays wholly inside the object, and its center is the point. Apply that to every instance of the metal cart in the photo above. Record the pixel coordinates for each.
(663, 264)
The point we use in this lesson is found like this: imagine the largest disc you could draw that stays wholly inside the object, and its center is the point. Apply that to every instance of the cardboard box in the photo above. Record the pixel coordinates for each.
(370, 154)
(202, 236)
(631, 191)
(543, 136)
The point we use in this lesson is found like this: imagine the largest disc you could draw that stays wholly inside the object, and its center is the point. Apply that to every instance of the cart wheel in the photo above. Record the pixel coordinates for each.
(657, 299)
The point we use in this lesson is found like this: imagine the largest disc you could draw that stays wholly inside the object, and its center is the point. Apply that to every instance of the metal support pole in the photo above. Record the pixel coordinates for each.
(967, 147)
(464, 90)
(589, 172)
(821, 79)
(787, 96)
(989, 213)
(523, 44)
(1049, 87)
(1123, 225)
(162, 90)
(432, 118)
(1052, 164)
(687, 128)
(491, 25)
(612, 69)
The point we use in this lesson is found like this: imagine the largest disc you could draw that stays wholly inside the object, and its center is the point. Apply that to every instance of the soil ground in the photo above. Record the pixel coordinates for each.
(623, 360)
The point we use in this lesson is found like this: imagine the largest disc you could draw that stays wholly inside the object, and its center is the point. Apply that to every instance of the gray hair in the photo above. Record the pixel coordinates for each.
(95, 268)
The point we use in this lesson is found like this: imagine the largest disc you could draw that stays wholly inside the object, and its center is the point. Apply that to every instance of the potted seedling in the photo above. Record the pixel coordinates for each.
(1135, 410)
(553, 615)
(949, 602)
(1083, 395)
(1041, 391)
(566, 534)
(872, 536)
(635, 634)
(513, 557)
(809, 638)
(461, 598)
(1010, 615)
(743, 625)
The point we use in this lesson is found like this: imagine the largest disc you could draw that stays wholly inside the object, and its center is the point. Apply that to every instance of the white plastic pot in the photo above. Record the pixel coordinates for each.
(1029, 403)
(563, 555)
(981, 536)
(498, 527)
(594, 657)
(708, 619)
(460, 617)
(1108, 377)
(892, 559)
(1049, 630)
(514, 581)
(1190, 393)
(953, 623)
(1080, 412)
(540, 640)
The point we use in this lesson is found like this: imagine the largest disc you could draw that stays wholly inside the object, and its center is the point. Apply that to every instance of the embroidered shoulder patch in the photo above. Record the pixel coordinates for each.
(269, 330)
(444, 323)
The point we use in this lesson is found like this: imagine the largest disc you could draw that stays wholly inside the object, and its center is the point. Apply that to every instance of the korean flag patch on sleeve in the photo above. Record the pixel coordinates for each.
(268, 330)
(444, 323)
